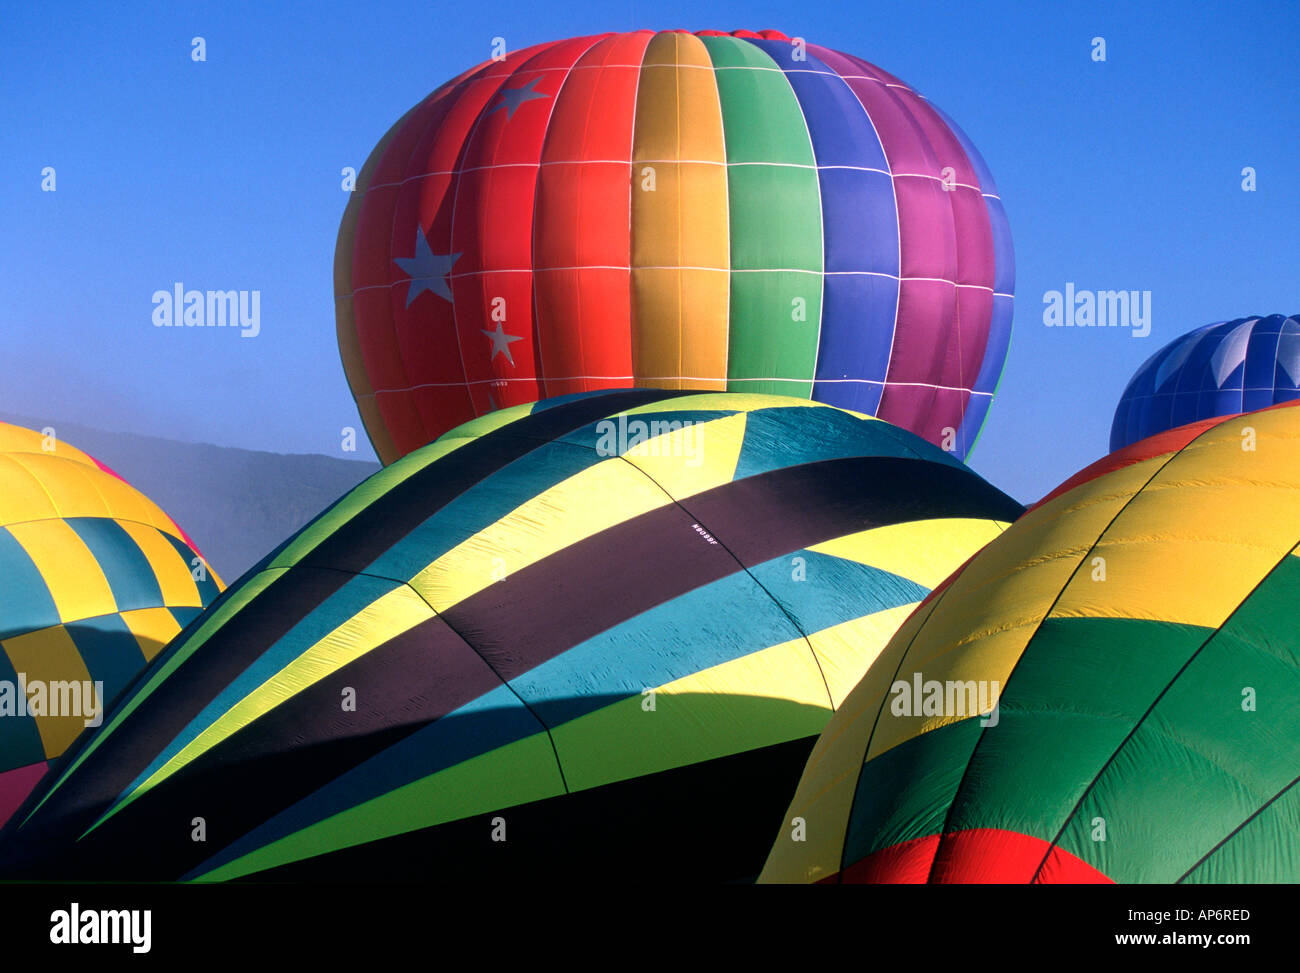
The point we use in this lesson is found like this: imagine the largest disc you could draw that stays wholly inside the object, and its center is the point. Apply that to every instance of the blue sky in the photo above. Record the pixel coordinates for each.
(226, 174)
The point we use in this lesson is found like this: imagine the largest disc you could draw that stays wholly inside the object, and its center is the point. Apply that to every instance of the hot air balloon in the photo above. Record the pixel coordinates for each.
(1222, 369)
(1136, 633)
(592, 635)
(743, 212)
(94, 580)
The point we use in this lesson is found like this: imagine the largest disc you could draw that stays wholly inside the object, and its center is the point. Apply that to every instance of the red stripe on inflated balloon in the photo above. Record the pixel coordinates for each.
(993, 855)
(428, 329)
(976, 856)
(492, 230)
(374, 274)
(1169, 441)
(904, 864)
(581, 244)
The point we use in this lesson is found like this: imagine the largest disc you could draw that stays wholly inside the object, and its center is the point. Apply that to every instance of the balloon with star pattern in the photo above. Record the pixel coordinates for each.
(1221, 369)
(743, 212)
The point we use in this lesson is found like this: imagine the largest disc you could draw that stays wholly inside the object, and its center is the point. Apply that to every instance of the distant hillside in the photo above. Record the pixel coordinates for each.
(236, 504)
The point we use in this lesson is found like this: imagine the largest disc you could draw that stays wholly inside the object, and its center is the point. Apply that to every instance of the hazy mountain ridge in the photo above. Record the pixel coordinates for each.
(236, 504)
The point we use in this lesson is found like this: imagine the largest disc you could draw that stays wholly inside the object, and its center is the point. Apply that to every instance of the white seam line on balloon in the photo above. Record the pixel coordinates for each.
(540, 372)
(690, 378)
(821, 228)
(898, 223)
(695, 162)
(719, 270)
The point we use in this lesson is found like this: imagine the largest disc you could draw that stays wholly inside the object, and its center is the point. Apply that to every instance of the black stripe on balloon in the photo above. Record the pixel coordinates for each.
(541, 610)
(124, 753)
(296, 748)
(706, 823)
(516, 624)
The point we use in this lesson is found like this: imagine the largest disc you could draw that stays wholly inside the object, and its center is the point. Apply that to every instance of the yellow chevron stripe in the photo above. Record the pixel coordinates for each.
(210, 621)
(546, 523)
(363, 495)
(924, 551)
(693, 459)
(564, 514)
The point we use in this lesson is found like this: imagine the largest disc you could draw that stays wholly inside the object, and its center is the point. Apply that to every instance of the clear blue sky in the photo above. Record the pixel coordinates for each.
(225, 174)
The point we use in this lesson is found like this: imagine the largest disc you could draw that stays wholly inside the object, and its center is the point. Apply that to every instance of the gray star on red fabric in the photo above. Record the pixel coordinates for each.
(501, 342)
(512, 98)
(428, 270)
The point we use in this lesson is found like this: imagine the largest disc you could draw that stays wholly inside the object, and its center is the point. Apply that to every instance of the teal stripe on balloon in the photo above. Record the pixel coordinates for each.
(714, 624)
(819, 591)
(26, 604)
(129, 574)
(789, 436)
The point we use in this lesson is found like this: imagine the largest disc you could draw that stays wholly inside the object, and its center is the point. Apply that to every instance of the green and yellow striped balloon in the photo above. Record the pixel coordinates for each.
(1138, 631)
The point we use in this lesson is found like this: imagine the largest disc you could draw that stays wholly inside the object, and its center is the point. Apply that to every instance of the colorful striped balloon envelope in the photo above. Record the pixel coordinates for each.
(743, 212)
(1137, 632)
(94, 580)
(596, 635)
